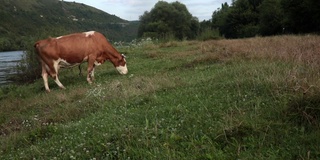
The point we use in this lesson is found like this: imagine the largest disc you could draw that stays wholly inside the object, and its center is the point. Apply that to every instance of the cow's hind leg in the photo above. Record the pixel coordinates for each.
(55, 75)
(56, 79)
(45, 77)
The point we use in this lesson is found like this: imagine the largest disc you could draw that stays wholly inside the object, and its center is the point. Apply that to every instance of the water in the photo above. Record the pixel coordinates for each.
(8, 62)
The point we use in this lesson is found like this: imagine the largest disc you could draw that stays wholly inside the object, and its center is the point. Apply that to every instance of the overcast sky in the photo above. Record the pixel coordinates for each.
(132, 9)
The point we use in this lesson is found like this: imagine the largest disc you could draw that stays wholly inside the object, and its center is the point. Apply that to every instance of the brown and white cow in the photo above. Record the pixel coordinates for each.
(74, 49)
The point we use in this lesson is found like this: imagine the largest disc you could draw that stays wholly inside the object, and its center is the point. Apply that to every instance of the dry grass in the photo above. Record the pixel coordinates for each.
(303, 52)
(297, 49)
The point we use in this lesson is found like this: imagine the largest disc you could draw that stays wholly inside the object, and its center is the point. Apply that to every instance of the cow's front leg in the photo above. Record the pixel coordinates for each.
(90, 76)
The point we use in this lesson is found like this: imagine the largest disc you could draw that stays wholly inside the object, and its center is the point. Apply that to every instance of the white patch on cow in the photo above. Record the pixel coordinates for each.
(89, 33)
(56, 65)
(64, 64)
(122, 69)
(47, 67)
(97, 63)
(56, 68)
(59, 37)
(45, 80)
(92, 73)
(59, 83)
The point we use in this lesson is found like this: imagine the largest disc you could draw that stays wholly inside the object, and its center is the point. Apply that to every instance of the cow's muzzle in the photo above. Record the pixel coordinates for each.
(122, 69)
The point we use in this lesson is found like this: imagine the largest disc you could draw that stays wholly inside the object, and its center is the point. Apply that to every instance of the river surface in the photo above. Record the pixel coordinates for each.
(8, 62)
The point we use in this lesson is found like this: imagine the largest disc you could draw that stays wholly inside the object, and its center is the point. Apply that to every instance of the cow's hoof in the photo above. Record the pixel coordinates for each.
(63, 88)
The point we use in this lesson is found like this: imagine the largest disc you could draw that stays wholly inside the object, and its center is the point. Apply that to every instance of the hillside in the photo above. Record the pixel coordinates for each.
(21, 20)
(254, 98)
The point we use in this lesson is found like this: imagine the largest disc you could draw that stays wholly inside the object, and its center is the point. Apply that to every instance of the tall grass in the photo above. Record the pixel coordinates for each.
(302, 52)
(220, 99)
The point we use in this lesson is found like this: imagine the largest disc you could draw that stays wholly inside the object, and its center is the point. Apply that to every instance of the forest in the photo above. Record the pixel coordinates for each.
(240, 19)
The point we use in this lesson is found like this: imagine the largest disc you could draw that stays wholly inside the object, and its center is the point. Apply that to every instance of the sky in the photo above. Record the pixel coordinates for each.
(132, 9)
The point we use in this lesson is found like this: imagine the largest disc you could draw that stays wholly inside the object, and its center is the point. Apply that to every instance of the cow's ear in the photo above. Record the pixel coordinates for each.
(123, 55)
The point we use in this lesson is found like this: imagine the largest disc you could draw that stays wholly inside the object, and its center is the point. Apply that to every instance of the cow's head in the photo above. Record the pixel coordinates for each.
(121, 66)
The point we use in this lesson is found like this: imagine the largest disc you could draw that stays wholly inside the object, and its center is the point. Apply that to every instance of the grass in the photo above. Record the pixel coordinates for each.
(252, 98)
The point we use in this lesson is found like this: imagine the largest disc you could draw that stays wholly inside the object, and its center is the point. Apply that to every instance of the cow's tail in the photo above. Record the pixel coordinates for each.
(36, 45)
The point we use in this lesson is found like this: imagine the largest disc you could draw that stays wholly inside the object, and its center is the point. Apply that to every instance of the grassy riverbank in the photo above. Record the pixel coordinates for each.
(253, 98)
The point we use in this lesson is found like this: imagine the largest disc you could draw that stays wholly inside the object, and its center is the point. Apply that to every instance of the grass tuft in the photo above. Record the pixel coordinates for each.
(305, 112)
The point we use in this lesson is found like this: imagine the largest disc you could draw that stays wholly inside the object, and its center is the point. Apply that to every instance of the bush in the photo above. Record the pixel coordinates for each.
(29, 68)
(208, 34)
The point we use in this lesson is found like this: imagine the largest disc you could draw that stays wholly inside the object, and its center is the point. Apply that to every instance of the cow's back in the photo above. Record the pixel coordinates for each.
(73, 48)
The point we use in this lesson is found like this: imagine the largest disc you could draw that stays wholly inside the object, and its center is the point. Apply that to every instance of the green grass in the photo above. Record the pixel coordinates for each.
(179, 101)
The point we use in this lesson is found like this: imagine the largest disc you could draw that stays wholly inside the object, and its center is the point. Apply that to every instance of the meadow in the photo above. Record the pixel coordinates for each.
(255, 98)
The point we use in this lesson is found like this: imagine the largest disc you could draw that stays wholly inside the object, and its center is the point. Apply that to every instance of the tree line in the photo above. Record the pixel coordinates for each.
(242, 18)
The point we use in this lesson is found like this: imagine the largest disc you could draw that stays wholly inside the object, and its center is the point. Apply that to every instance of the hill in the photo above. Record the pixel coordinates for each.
(254, 98)
(22, 20)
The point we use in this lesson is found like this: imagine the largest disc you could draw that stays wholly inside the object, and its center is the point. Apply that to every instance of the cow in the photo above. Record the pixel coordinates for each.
(72, 50)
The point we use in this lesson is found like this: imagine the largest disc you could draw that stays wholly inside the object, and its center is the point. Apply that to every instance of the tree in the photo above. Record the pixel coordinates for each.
(219, 18)
(243, 19)
(168, 19)
(194, 27)
(271, 17)
(301, 16)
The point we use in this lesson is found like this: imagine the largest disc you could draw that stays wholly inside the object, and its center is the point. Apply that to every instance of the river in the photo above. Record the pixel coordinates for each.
(8, 62)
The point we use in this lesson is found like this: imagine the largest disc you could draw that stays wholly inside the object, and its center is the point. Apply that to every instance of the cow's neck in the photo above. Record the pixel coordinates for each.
(114, 57)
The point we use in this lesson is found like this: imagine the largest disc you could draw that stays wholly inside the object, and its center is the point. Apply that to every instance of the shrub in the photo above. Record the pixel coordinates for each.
(28, 69)
(208, 34)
